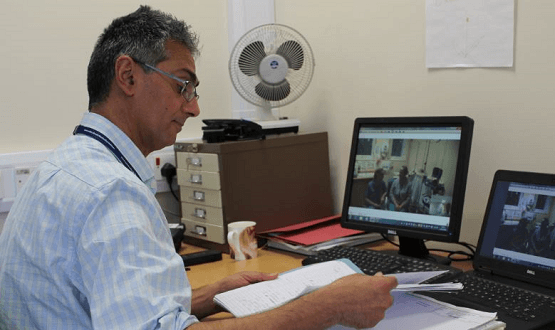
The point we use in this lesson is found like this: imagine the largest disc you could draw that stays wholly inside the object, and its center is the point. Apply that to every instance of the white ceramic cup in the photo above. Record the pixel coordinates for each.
(241, 239)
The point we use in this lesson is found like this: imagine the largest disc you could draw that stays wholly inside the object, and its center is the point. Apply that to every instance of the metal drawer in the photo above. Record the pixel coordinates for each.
(201, 196)
(204, 231)
(203, 213)
(198, 179)
(198, 161)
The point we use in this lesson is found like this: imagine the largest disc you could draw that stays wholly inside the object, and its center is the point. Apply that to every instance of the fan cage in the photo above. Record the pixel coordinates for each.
(272, 36)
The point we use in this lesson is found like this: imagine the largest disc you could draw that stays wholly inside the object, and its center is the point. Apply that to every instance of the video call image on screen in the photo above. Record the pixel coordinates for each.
(526, 233)
(405, 176)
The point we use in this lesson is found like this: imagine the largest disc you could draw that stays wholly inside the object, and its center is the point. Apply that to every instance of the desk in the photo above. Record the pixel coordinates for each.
(268, 260)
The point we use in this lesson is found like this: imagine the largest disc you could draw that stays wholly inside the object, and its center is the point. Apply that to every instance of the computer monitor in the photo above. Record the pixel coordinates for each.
(407, 177)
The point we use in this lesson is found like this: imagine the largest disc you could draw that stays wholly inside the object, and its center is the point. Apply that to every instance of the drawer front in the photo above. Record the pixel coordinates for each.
(200, 196)
(203, 213)
(198, 179)
(198, 161)
(205, 231)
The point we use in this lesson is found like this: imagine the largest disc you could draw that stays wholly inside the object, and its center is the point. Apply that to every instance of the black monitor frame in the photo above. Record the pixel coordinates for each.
(412, 239)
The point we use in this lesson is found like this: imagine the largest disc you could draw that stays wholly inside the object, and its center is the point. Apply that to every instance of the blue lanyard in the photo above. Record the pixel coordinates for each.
(107, 143)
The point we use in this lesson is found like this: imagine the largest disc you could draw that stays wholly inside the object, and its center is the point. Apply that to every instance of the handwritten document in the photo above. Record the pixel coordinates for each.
(263, 296)
(469, 33)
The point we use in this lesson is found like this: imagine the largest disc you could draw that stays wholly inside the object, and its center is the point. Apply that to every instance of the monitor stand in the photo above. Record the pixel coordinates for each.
(416, 248)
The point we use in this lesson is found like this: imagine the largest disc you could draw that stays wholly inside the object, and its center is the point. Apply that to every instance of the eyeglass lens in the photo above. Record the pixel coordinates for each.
(189, 92)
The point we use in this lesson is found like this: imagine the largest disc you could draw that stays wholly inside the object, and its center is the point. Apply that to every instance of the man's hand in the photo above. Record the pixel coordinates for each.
(244, 278)
(362, 299)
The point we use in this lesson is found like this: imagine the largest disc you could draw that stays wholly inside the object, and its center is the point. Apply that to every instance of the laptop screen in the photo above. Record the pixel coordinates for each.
(518, 231)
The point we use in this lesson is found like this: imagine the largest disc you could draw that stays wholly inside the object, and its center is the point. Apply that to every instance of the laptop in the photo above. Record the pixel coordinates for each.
(516, 248)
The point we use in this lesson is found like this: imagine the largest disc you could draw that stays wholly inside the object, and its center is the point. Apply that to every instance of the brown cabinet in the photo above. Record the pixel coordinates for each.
(279, 181)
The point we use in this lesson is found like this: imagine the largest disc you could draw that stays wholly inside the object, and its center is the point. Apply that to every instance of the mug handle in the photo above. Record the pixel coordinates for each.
(233, 240)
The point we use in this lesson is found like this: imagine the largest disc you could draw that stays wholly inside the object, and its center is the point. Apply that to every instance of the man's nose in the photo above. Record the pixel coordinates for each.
(192, 107)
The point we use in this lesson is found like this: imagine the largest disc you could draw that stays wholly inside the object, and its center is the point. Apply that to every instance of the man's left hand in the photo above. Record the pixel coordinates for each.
(245, 278)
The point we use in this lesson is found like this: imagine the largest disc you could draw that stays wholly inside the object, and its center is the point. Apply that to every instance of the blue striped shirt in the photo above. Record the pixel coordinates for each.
(87, 246)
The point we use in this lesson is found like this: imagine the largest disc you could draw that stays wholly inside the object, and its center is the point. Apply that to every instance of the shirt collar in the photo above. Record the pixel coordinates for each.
(124, 144)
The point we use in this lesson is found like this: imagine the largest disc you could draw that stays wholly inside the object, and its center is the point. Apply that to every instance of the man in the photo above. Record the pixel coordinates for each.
(401, 190)
(86, 245)
(376, 190)
(539, 242)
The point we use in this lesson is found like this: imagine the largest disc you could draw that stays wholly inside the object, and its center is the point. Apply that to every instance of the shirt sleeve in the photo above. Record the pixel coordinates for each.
(131, 275)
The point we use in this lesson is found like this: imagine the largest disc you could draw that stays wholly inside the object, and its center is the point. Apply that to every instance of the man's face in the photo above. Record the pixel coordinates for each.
(161, 110)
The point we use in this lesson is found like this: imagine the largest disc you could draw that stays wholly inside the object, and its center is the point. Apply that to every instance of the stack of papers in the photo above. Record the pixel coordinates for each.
(413, 311)
(411, 282)
(308, 238)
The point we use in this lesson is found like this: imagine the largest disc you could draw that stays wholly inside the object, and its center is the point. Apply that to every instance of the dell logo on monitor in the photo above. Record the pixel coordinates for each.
(531, 272)
(391, 232)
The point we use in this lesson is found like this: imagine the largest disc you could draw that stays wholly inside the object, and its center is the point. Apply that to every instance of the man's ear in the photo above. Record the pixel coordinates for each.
(125, 71)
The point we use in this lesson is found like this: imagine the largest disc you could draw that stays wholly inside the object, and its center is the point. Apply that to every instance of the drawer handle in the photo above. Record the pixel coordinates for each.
(196, 178)
(199, 230)
(194, 161)
(198, 196)
(200, 213)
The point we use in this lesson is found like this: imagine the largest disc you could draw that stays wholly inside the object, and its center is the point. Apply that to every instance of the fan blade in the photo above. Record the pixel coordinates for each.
(293, 52)
(250, 58)
(273, 92)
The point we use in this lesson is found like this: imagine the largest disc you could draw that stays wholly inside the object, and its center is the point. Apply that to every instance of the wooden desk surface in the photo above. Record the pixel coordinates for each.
(268, 260)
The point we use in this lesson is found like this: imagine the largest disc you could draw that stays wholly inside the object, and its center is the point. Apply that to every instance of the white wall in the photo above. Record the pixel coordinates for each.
(370, 61)
(45, 50)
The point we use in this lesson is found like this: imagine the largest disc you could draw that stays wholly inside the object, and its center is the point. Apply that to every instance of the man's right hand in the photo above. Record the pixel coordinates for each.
(361, 299)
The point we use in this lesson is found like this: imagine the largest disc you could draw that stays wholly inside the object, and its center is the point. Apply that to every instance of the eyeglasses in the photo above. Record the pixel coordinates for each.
(188, 89)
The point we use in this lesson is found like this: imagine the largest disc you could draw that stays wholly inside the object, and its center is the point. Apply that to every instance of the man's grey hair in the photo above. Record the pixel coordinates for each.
(142, 35)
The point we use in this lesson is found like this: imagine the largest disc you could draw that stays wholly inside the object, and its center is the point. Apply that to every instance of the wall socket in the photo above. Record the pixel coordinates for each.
(12, 180)
(157, 160)
(21, 176)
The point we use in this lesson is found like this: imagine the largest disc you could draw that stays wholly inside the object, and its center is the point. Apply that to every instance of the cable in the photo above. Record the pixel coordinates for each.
(171, 212)
(173, 192)
(390, 241)
(169, 171)
(450, 254)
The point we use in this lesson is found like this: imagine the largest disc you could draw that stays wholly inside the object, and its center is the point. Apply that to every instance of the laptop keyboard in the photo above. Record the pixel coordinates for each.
(518, 303)
(371, 262)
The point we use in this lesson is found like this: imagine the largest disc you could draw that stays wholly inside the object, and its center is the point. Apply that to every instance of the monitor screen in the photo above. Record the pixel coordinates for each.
(407, 177)
(519, 227)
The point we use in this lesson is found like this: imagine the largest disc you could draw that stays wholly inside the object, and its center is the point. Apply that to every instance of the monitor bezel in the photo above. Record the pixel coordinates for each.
(459, 188)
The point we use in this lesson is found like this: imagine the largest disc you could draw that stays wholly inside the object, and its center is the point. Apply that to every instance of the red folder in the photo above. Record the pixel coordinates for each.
(311, 232)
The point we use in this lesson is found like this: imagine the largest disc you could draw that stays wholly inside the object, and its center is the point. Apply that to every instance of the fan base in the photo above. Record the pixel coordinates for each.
(279, 126)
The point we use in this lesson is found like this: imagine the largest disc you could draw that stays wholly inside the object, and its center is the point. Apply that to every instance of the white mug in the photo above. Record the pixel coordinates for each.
(241, 239)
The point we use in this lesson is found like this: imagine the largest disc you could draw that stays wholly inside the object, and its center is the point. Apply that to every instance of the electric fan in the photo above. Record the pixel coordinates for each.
(271, 66)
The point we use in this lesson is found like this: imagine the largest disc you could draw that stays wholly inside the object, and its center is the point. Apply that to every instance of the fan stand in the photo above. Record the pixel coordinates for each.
(272, 125)
(265, 113)
(281, 126)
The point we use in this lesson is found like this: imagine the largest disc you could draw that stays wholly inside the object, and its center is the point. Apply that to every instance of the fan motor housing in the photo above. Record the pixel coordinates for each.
(273, 69)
